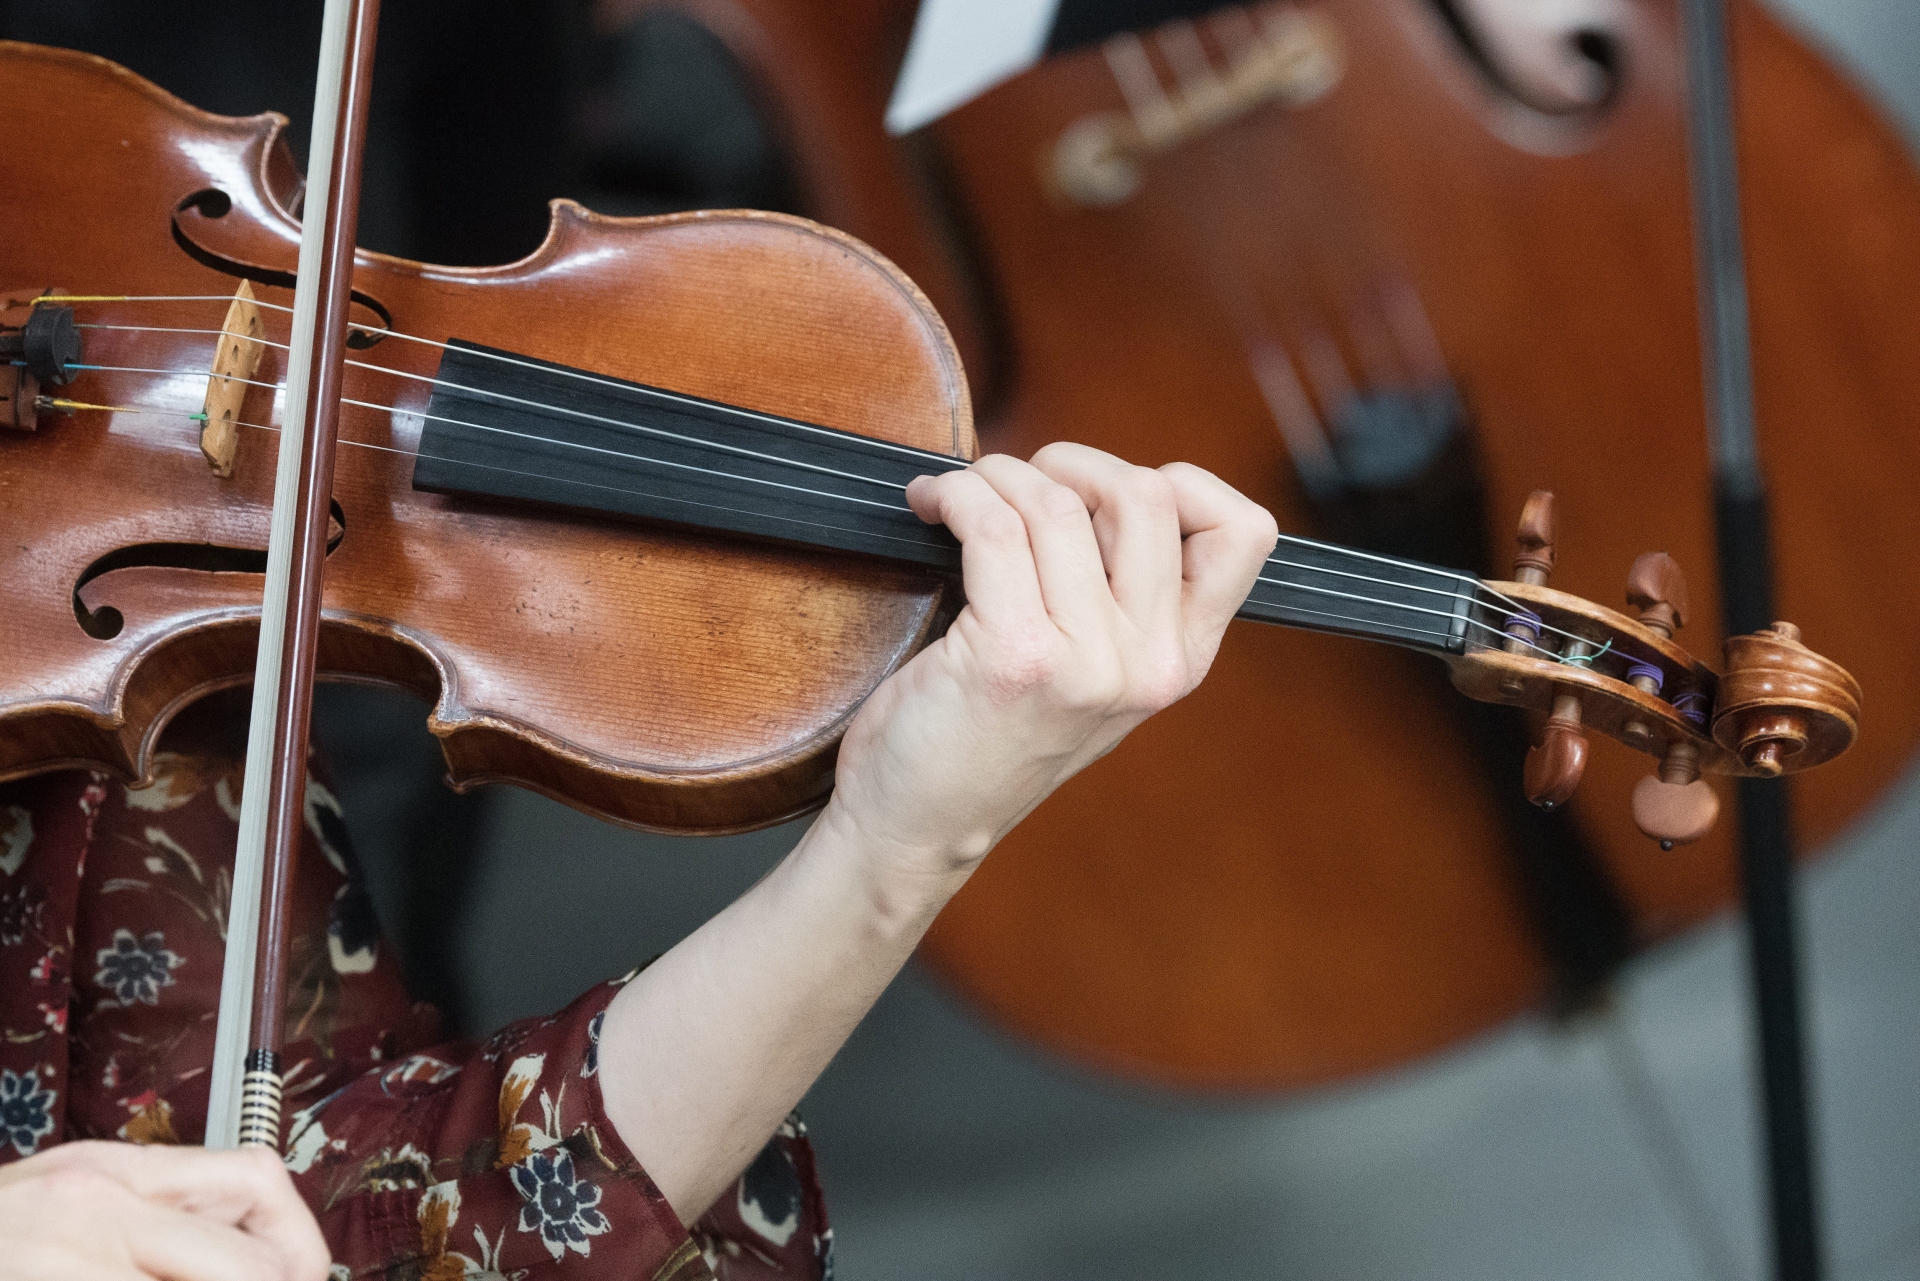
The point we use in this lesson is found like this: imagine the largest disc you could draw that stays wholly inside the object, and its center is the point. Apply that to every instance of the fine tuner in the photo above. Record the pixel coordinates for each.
(1778, 708)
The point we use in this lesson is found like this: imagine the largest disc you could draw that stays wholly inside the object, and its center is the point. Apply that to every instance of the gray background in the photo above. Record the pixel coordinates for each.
(1621, 1146)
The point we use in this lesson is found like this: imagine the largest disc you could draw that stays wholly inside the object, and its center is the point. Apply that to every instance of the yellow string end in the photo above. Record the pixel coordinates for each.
(55, 402)
(35, 302)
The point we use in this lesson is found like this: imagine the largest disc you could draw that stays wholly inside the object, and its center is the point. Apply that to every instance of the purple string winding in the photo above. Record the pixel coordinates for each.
(1637, 669)
(1692, 706)
(1527, 622)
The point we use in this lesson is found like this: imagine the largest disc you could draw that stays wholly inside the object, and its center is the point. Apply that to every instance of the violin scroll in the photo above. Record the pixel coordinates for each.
(1783, 707)
(1779, 707)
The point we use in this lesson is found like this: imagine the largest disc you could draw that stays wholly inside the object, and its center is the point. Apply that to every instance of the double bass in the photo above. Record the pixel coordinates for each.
(623, 509)
(1398, 236)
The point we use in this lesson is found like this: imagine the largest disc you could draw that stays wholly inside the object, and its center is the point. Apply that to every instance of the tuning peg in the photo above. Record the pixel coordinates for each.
(1534, 561)
(1658, 590)
(1531, 565)
(1554, 767)
(1676, 806)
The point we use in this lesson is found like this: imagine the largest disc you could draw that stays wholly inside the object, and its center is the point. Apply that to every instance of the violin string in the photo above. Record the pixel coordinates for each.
(736, 411)
(661, 432)
(509, 471)
(942, 461)
(1468, 619)
(226, 298)
(1328, 615)
(505, 431)
(1476, 586)
(1281, 584)
(174, 373)
(174, 329)
(629, 457)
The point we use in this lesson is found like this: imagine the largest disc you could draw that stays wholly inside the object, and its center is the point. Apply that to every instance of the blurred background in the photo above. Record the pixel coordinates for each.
(1585, 1106)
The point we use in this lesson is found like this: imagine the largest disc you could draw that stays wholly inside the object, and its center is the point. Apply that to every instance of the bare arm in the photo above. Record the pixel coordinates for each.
(1097, 593)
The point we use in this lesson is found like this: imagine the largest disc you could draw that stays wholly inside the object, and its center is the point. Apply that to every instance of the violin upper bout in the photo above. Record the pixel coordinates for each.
(841, 335)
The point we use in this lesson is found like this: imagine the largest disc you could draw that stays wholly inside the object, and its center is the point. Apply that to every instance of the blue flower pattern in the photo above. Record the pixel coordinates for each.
(558, 1205)
(26, 1110)
(135, 969)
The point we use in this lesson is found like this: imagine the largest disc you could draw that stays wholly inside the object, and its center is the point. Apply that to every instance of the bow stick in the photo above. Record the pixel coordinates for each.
(244, 1106)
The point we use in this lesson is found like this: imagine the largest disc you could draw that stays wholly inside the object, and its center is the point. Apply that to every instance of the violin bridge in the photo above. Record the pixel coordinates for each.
(234, 364)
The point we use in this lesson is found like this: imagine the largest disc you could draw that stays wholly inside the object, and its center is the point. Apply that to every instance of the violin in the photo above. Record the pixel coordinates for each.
(1266, 240)
(627, 511)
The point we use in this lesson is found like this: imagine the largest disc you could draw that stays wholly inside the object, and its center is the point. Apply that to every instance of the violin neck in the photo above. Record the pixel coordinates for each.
(504, 426)
(1322, 587)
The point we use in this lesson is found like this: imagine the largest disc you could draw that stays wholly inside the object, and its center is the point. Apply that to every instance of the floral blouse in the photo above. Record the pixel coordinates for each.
(419, 1159)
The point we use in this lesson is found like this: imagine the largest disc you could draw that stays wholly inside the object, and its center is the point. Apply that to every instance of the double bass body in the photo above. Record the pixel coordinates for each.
(1342, 900)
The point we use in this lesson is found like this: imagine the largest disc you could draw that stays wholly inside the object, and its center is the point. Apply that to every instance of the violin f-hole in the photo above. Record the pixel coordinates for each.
(211, 202)
(105, 622)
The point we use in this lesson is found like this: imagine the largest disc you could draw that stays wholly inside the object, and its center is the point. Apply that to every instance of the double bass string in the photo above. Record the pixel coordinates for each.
(1480, 588)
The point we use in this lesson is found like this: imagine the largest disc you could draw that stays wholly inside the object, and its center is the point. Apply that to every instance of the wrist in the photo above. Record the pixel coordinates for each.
(902, 882)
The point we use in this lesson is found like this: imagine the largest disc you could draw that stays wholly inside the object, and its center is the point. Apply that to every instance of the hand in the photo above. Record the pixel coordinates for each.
(1097, 593)
(118, 1211)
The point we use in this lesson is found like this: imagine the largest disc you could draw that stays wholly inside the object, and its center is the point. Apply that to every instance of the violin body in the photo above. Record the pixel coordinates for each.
(1345, 900)
(654, 677)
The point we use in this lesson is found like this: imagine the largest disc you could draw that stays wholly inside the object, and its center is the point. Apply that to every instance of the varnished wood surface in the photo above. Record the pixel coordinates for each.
(1296, 875)
(661, 679)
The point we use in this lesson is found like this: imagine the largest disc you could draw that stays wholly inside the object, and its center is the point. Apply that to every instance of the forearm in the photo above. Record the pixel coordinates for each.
(707, 1050)
(1096, 595)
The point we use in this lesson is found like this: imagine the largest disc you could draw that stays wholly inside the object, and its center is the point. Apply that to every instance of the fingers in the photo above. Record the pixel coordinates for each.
(996, 561)
(1083, 533)
(247, 1193)
(1228, 539)
(36, 1261)
(73, 1219)
(168, 1243)
(1136, 523)
(1066, 555)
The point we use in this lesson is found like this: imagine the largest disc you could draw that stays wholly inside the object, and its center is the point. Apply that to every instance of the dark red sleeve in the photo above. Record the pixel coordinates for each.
(498, 1158)
(451, 1161)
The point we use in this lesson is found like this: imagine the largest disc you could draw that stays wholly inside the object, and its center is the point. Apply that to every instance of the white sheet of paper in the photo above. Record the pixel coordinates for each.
(962, 48)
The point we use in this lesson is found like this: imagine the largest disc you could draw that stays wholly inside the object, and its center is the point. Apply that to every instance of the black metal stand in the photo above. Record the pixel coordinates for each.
(1766, 873)
(1746, 585)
